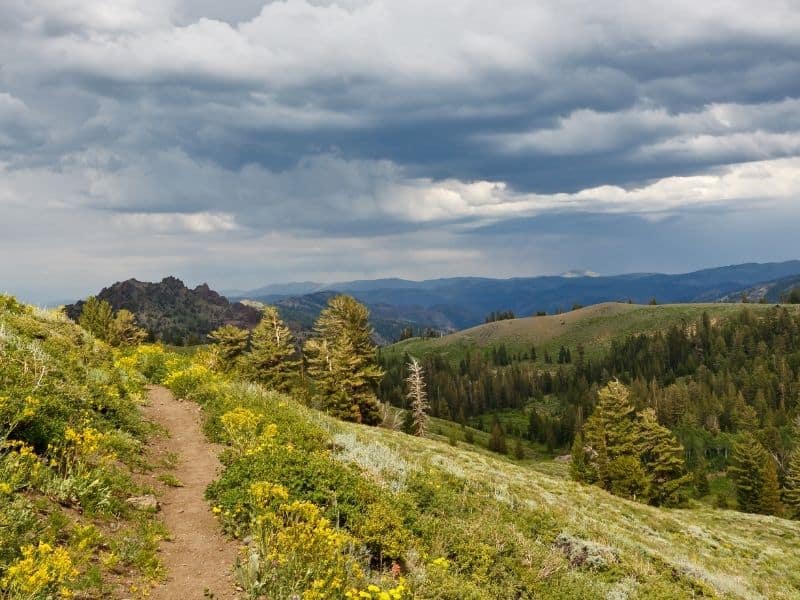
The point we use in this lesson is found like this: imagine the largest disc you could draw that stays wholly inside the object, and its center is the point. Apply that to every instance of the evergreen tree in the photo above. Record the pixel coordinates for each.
(123, 330)
(610, 432)
(519, 449)
(342, 361)
(230, 343)
(497, 439)
(662, 456)
(96, 317)
(629, 454)
(271, 359)
(748, 460)
(770, 501)
(418, 398)
(579, 452)
(700, 477)
(791, 491)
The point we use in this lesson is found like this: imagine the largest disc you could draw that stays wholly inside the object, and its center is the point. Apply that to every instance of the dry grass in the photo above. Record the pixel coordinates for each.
(593, 326)
(730, 554)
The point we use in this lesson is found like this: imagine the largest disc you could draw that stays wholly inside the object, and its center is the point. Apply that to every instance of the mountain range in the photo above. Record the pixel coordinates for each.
(176, 314)
(459, 302)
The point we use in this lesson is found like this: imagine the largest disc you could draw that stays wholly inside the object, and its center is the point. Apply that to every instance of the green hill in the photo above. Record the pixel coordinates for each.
(459, 522)
(594, 327)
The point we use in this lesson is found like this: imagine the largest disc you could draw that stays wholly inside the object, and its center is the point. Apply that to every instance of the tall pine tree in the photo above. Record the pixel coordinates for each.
(272, 357)
(662, 456)
(748, 459)
(342, 361)
(791, 491)
(230, 343)
(629, 454)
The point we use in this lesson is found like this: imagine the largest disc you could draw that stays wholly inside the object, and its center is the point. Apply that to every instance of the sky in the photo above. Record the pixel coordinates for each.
(249, 142)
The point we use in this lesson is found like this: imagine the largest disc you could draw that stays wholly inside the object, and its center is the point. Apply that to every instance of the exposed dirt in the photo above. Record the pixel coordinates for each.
(198, 558)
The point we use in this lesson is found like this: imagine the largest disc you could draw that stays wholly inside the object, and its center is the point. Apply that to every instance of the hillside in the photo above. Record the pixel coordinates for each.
(357, 511)
(460, 523)
(773, 291)
(594, 327)
(172, 312)
(460, 302)
(74, 471)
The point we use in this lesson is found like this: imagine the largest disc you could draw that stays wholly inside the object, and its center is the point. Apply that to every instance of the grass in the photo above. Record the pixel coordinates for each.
(478, 525)
(170, 480)
(594, 327)
(727, 553)
(71, 440)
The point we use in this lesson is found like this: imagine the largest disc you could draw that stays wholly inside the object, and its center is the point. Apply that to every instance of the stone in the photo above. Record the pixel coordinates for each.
(147, 502)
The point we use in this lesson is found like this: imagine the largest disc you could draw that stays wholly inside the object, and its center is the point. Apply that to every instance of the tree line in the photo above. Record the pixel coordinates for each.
(727, 390)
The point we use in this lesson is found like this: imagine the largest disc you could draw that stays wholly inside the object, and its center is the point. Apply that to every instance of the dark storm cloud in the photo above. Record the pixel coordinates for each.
(377, 124)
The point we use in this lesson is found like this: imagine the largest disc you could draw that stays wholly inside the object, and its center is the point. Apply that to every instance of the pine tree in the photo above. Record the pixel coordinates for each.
(342, 361)
(418, 398)
(791, 491)
(96, 317)
(272, 356)
(770, 501)
(748, 459)
(497, 439)
(519, 449)
(230, 343)
(123, 330)
(662, 456)
(610, 432)
(579, 454)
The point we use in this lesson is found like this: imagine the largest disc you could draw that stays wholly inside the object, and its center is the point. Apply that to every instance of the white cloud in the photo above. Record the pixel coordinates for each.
(202, 222)
(587, 131)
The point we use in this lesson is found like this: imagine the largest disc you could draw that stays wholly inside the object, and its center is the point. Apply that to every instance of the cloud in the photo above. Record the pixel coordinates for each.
(355, 126)
(202, 222)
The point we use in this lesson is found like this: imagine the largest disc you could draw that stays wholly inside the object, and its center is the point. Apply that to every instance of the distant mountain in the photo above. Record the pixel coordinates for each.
(296, 288)
(388, 321)
(459, 302)
(173, 313)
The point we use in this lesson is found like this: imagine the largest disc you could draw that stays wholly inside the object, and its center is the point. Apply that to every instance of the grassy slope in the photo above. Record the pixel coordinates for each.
(593, 326)
(728, 553)
(491, 516)
(72, 496)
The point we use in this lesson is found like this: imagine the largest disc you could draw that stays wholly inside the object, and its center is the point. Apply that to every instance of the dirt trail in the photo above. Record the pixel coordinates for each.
(198, 558)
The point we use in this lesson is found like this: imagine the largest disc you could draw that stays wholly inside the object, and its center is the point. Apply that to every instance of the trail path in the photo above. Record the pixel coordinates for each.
(198, 558)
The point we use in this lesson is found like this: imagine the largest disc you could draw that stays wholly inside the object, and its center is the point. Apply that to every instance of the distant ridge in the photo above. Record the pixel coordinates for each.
(459, 302)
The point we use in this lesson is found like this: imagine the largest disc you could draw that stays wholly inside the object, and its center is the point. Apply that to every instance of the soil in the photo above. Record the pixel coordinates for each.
(198, 558)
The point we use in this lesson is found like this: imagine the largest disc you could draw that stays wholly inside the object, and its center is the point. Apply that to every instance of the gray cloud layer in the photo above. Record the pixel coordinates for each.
(248, 141)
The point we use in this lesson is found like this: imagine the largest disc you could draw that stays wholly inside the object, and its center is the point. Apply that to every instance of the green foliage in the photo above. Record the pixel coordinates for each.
(70, 432)
(754, 473)
(123, 330)
(630, 454)
(791, 492)
(342, 361)
(497, 439)
(231, 343)
(272, 359)
(96, 317)
(120, 329)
